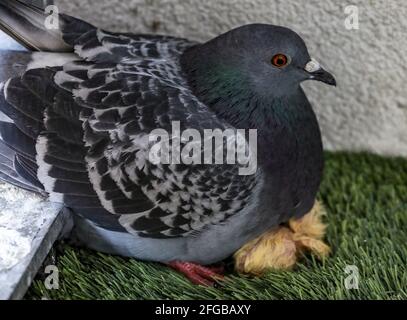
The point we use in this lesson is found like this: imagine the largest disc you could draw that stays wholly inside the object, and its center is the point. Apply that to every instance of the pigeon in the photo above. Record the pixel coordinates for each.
(78, 105)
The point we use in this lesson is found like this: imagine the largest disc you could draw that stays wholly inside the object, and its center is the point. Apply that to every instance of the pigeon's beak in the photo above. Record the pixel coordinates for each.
(316, 72)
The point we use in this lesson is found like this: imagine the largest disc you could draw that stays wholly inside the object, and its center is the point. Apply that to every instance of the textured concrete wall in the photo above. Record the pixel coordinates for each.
(368, 110)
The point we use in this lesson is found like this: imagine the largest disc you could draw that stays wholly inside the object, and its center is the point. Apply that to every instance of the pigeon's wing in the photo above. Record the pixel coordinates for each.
(91, 122)
(131, 86)
(121, 111)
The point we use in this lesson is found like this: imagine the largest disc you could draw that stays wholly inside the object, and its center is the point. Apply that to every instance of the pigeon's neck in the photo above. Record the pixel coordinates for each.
(218, 85)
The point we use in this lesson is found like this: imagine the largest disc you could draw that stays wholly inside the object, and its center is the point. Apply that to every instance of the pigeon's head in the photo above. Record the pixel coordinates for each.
(266, 59)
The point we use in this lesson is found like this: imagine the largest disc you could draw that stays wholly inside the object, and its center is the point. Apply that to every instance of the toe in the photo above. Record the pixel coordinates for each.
(209, 272)
(201, 275)
(199, 280)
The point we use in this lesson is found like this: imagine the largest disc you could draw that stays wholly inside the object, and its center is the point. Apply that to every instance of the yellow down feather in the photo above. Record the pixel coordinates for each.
(279, 249)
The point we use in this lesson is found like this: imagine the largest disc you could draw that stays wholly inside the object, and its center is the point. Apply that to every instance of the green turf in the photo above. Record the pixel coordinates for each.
(366, 200)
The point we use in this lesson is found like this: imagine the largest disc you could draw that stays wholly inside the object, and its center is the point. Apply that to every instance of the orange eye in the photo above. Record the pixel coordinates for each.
(279, 60)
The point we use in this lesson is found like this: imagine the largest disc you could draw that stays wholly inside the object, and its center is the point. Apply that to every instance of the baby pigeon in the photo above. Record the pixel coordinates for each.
(78, 106)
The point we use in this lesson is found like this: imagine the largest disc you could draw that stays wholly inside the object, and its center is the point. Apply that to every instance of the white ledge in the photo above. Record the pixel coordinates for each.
(29, 225)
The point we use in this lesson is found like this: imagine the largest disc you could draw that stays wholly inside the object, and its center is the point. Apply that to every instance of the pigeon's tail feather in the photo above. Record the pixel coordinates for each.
(18, 132)
(32, 27)
(13, 171)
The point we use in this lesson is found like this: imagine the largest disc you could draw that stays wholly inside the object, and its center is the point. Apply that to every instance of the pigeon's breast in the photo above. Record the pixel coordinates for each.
(292, 162)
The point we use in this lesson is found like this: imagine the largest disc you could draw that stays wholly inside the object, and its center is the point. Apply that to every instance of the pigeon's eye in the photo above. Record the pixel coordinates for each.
(279, 60)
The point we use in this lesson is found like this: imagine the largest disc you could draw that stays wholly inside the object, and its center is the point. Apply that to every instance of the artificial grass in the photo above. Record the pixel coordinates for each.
(366, 200)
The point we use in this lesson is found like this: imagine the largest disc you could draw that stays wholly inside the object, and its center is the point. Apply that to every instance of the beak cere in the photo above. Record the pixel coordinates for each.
(316, 72)
(312, 66)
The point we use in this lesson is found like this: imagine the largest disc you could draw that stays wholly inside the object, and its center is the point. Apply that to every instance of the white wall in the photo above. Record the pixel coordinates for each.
(368, 109)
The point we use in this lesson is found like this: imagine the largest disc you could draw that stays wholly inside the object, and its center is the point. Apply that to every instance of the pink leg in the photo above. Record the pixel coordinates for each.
(198, 274)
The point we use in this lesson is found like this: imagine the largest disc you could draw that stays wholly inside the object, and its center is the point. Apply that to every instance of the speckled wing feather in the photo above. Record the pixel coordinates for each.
(90, 122)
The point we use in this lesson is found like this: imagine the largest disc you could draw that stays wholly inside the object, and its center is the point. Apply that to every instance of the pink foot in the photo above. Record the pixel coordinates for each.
(198, 274)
